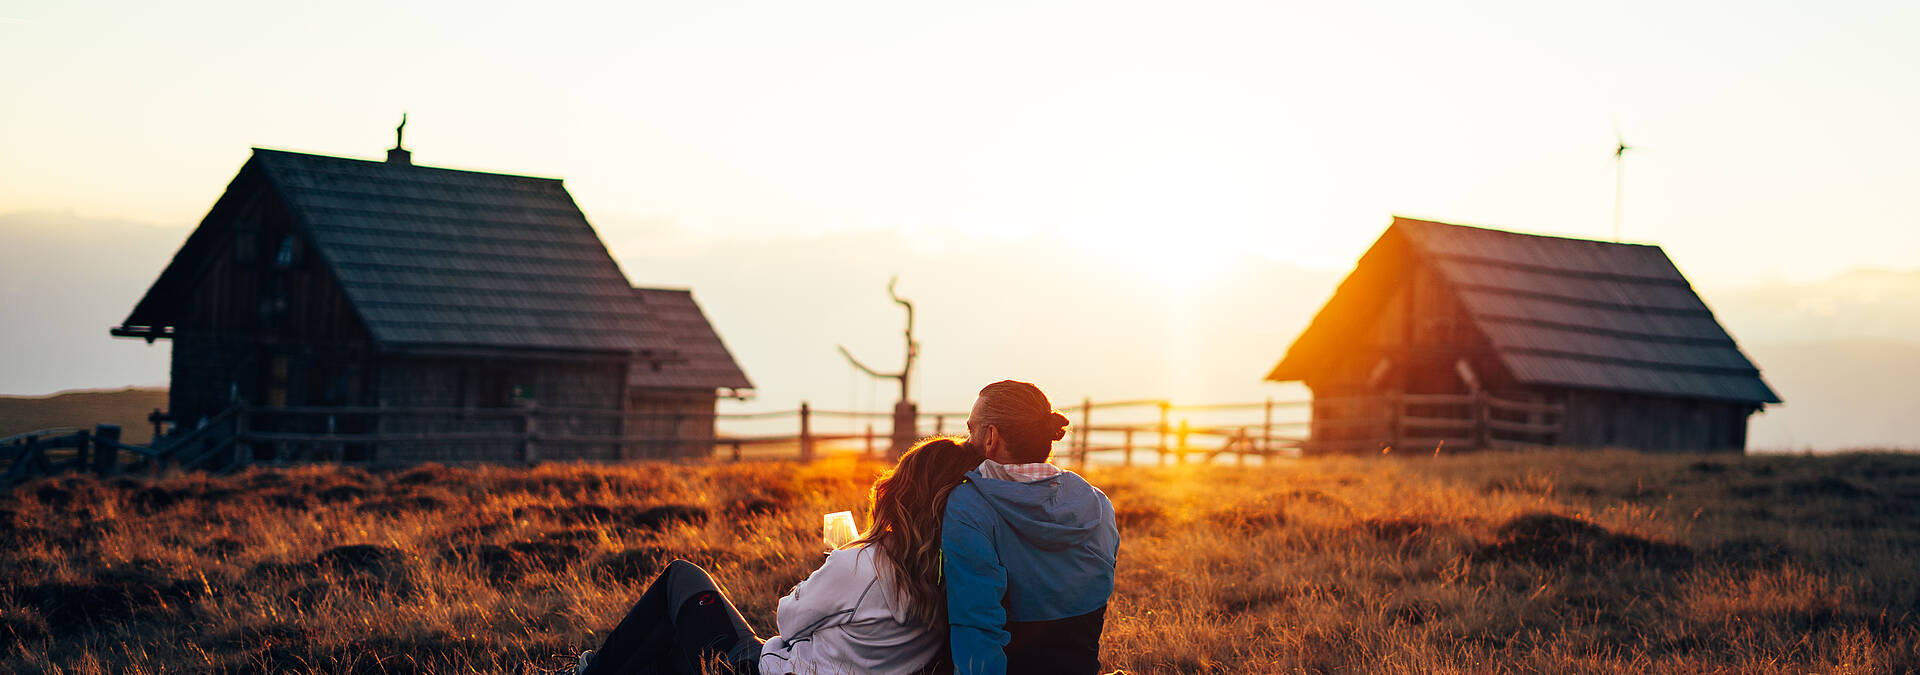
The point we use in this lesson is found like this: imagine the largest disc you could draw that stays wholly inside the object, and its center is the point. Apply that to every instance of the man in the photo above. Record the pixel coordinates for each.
(1029, 548)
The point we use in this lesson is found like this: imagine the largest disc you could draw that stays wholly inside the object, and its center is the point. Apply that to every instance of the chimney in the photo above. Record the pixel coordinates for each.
(397, 154)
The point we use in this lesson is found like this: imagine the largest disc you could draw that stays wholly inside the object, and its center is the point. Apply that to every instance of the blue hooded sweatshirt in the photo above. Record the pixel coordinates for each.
(1028, 564)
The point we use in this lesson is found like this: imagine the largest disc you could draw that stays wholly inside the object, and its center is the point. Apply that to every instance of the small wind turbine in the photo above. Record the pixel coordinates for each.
(1620, 149)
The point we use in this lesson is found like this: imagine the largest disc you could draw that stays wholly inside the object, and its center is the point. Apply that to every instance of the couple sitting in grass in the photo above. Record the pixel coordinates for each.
(982, 557)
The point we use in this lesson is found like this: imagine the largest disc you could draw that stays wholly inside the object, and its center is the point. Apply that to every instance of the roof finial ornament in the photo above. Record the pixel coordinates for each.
(1620, 149)
(399, 154)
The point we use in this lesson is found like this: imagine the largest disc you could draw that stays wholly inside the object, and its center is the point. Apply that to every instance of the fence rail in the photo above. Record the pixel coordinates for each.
(1112, 431)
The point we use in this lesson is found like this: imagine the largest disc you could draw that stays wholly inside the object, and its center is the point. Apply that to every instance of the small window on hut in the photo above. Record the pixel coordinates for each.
(245, 242)
(289, 252)
(500, 389)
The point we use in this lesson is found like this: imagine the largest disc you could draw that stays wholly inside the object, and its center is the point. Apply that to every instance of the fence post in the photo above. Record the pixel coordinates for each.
(1266, 432)
(82, 451)
(1129, 446)
(1086, 428)
(158, 419)
(106, 439)
(1482, 435)
(336, 451)
(1164, 405)
(242, 421)
(1246, 444)
(939, 425)
(378, 427)
(1181, 454)
(529, 425)
(680, 445)
(27, 463)
(869, 440)
(16, 471)
(736, 451)
(806, 432)
(1396, 412)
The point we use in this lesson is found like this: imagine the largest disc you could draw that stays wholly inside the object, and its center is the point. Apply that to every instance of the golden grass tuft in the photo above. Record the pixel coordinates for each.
(1484, 563)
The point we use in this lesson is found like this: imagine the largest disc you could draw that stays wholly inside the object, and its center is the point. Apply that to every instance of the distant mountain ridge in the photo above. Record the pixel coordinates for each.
(85, 408)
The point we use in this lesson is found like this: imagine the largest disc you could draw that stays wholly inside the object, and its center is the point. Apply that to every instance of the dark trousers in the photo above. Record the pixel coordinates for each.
(680, 622)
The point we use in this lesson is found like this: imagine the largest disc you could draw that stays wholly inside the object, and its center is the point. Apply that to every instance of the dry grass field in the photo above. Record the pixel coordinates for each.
(1535, 562)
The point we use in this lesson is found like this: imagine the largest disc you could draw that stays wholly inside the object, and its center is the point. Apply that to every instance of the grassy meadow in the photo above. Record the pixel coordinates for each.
(1483, 563)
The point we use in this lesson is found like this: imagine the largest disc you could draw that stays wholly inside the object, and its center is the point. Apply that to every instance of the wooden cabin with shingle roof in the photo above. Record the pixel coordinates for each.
(392, 313)
(675, 398)
(1462, 337)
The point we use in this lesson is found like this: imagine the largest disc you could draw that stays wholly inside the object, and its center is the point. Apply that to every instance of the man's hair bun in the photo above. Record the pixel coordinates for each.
(1059, 424)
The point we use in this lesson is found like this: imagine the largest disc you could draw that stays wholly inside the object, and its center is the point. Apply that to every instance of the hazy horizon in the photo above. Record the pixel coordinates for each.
(1838, 350)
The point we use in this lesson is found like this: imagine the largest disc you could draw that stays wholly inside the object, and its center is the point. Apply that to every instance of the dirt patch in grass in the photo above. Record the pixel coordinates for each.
(1251, 516)
(219, 496)
(1241, 601)
(411, 504)
(278, 571)
(1317, 498)
(291, 501)
(17, 630)
(362, 559)
(341, 493)
(572, 514)
(659, 517)
(634, 565)
(425, 474)
(154, 499)
(370, 568)
(476, 532)
(1750, 553)
(265, 635)
(1411, 532)
(221, 547)
(750, 507)
(1553, 540)
(573, 536)
(1827, 486)
(117, 594)
(1138, 515)
(515, 561)
(53, 495)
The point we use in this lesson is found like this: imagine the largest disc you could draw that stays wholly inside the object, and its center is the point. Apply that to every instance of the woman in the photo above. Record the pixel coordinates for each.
(875, 606)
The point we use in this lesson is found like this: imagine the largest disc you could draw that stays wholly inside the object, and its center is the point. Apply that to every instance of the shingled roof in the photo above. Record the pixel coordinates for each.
(1571, 313)
(442, 258)
(704, 361)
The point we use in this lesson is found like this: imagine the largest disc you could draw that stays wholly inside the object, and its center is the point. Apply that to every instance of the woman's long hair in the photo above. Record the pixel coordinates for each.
(908, 504)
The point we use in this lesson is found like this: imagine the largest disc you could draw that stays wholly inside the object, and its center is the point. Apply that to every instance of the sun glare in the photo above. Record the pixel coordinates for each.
(1164, 170)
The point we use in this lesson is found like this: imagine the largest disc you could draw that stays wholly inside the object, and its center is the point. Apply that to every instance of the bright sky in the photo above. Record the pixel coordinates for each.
(1776, 139)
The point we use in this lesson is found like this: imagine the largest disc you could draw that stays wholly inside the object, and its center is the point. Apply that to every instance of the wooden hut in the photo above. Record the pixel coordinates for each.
(392, 313)
(1463, 337)
(675, 399)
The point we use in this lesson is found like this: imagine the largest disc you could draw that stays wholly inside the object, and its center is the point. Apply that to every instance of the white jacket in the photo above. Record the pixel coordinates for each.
(847, 618)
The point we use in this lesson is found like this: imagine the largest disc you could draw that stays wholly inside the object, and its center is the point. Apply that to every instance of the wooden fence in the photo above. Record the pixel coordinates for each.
(98, 450)
(1112, 432)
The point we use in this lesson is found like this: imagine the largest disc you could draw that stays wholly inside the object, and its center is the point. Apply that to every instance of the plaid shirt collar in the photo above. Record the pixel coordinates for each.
(1024, 473)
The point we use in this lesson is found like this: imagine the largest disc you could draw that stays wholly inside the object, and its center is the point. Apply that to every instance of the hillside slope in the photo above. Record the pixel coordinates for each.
(125, 407)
